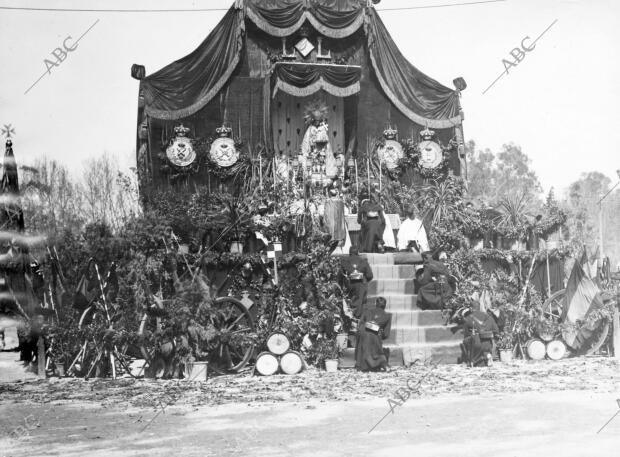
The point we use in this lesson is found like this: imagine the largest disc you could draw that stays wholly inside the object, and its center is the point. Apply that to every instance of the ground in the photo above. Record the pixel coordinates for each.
(517, 409)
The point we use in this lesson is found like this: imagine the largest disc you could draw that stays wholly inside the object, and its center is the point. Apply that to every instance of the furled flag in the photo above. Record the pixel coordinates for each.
(582, 297)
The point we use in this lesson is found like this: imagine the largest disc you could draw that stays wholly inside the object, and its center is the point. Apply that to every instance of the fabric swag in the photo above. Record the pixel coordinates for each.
(304, 80)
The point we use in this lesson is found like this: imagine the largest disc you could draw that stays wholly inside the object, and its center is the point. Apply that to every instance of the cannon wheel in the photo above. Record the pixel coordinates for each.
(553, 309)
(88, 363)
(235, 324)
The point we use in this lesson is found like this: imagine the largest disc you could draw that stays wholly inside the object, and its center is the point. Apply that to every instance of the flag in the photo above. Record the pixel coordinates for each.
(274, 250)
(81, 299)
(582, 297)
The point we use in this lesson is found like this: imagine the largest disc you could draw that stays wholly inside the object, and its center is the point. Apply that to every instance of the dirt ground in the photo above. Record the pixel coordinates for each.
(523, 408)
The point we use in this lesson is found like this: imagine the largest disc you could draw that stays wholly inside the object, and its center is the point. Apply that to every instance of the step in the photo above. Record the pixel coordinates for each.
(395, 302)
(390, 286)
(405, 355)
(442, 353)
(423, 334)
(393, 271)
(408, 318)
(402, 258)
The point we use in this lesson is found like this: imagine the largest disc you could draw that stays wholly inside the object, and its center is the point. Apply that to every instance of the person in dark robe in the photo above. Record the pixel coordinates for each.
(479, 331)
(435, 284)
(333, 216)
(374, 327)
(358, 274)
(372, 223)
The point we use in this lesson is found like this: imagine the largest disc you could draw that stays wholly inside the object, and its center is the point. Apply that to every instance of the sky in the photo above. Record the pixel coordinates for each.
(558, 103)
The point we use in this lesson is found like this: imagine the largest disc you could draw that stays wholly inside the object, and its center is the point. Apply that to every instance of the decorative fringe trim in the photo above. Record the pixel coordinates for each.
(315, 87)
(197, 106)
(307, 15)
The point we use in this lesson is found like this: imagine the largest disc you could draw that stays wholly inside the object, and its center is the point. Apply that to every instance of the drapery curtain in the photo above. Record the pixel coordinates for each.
(420, 98)
(185, 86)
(332, 18)
(304, 80)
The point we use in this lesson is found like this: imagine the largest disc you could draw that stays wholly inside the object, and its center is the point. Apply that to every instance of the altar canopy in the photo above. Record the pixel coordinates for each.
(187, 85)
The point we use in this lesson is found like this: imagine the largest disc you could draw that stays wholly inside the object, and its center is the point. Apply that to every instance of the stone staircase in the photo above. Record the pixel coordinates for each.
(415, 334)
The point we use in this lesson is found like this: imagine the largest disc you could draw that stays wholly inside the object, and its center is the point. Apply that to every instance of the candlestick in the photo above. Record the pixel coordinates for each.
(368, 171)
(379, 175)
(275, 178)
(357, 183)
(260, 171)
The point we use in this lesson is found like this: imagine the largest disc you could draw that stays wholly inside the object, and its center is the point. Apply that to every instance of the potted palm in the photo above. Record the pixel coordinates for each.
(505, 346)
(328, 351)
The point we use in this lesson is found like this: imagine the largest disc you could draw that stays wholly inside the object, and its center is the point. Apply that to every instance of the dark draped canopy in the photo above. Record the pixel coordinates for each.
(185, 86)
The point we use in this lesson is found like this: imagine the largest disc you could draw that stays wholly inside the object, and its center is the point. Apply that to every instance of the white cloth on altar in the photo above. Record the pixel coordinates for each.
(388, 234)
(412, 230)
(344, 250)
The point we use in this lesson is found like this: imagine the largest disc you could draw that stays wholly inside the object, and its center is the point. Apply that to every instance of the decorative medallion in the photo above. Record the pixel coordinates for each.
(181, 150)
(223, 151)
(391, 151)
(431, 154)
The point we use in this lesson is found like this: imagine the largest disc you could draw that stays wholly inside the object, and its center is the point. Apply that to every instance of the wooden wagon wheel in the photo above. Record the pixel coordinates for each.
(97, 363)
(553, 307)
(590, 340)
(235, 326)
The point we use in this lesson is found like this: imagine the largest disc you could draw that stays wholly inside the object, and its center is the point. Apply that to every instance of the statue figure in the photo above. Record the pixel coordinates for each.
(316, 149)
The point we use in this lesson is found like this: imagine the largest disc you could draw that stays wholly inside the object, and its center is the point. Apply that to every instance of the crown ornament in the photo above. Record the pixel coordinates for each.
(427, 134)
(390, 133)
(223, 131)
(181, 130)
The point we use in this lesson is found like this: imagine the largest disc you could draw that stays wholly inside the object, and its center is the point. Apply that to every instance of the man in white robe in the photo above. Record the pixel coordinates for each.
(412, 230)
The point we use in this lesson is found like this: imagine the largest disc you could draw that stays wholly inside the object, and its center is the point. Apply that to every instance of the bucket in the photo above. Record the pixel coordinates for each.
(331, 366)
(267, 364)
(236, 247)
(505, 355)
(342, 340)
(291, 363)
(535, 349)
(198, 371)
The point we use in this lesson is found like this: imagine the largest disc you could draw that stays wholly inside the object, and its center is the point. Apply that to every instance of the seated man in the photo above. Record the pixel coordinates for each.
(374, 327)
(479, 330)
(357, 274)
(412, 234)
(435, 284)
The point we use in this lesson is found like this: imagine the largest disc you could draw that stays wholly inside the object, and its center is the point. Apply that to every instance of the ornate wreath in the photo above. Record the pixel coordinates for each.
(202, 148)
(411, 159)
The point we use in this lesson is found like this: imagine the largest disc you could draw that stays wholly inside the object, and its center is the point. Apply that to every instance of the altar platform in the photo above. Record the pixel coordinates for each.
(354, 227)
